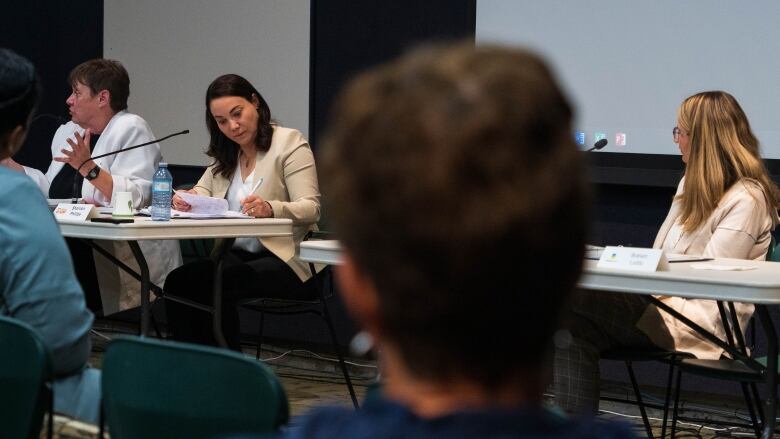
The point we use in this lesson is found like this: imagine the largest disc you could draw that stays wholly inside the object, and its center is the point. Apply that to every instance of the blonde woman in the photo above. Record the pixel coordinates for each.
(725, 207)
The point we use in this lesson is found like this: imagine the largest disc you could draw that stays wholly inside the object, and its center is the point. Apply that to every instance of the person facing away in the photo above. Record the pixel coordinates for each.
(37, 283)
(725, 207)
(100, 123)
(459, 199)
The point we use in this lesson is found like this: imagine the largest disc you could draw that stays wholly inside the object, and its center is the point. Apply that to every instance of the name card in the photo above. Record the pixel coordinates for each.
(633, 258)
(74, 212)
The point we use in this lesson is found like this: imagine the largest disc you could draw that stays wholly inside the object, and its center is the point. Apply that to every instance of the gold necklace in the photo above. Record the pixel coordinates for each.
(247, 161)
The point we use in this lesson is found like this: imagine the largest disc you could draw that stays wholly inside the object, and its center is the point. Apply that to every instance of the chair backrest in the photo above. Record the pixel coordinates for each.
(154, 388)
(25, 378)
(773, 253)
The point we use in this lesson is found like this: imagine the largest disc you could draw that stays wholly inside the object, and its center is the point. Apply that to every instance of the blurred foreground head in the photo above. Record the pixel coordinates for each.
(456, 189)
(19, 94)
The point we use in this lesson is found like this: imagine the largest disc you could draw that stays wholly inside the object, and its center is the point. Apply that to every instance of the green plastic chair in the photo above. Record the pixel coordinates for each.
(154, 389)
(25, 380)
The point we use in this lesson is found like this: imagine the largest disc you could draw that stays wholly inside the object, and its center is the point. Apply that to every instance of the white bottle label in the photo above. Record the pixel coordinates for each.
(162, 186)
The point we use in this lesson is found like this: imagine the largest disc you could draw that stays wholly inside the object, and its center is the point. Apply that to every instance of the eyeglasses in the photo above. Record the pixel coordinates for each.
(676, 133)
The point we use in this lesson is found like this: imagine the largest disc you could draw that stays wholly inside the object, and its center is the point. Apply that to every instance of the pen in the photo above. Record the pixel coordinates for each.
(691, 260)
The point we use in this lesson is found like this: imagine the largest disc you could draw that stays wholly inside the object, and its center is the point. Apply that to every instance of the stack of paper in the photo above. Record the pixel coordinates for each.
(203, 207)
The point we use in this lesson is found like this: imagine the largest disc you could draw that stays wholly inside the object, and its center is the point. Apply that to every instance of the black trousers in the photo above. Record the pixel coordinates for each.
(84, 266)
(245, 275)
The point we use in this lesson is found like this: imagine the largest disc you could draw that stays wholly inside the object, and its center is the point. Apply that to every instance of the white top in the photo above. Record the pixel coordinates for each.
(131, 171)
(237, 191)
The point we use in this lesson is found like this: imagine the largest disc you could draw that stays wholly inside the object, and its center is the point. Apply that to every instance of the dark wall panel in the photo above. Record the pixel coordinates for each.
(56, 35)
(349, 36)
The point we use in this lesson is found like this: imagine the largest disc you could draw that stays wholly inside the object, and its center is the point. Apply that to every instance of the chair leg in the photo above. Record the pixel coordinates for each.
(260, 335)
(676, 402)
(154, 321)
(101, 422)
(668, 394)
(648, 428)
(757, 399)
(749, 403)
(50, 422)
(337, 347)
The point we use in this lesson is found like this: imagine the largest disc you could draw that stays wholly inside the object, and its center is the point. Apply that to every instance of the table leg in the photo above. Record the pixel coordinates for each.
(217, 255)
(139, 257)
(770, 403)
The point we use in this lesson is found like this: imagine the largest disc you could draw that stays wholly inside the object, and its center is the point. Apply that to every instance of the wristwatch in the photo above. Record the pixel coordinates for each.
(93, 173)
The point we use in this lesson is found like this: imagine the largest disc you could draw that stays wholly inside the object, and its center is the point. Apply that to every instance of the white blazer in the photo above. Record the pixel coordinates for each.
(132, 171)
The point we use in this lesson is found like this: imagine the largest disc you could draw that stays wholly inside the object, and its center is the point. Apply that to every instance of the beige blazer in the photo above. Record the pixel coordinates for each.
(290, 187)
(739, 228)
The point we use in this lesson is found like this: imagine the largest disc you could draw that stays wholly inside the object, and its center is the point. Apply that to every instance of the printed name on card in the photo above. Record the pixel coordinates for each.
(633, 258)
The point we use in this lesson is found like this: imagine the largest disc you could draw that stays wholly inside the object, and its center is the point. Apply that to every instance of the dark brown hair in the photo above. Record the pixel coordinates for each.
(104, 74)
(454, 183)
(223, 150)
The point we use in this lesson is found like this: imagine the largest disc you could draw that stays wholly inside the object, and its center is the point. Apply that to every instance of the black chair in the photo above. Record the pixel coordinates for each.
(317, 306)
(732, 369)
(729, 370)
(631, 355)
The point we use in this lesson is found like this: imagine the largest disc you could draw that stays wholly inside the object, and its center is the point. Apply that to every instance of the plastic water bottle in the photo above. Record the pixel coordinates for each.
(162, 184)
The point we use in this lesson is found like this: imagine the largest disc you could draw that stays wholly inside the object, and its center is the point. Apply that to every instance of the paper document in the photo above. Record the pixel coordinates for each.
(193, 215)
(718, 267)
(203, 207)
(202, 204)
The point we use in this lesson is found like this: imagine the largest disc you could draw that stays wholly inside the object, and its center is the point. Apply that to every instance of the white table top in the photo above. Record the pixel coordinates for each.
(144, 228)
(760, 285)
(321, 252)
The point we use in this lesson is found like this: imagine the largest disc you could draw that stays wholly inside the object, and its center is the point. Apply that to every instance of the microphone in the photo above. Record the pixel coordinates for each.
(75, 198)
(598, 145)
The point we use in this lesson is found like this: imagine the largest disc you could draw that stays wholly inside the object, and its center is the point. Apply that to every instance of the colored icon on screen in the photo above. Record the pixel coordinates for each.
(620, 139)
(599, 136)
(579, 137)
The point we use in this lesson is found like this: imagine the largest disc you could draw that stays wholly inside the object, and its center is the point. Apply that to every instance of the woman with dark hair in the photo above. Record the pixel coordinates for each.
(265, 171)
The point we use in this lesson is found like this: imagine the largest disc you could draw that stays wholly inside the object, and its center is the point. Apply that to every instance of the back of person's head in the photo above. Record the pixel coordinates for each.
(455, 185)
(723, 150)
(19, 93)
(104, 74)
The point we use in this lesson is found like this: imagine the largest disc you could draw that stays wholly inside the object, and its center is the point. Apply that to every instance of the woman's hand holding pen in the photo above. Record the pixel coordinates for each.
(255, 206)
(179, 204)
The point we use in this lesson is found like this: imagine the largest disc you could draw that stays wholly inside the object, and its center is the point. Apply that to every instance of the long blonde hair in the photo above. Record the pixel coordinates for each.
(723, 151)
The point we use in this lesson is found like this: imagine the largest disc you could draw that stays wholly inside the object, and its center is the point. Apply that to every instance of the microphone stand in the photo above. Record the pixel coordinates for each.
(75, 198)
(598, 145)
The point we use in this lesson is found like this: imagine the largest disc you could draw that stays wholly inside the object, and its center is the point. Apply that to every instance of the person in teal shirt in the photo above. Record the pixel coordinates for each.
(37, 282)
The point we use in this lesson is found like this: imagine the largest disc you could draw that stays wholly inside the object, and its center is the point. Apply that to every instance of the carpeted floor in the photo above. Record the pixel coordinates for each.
(310, 379)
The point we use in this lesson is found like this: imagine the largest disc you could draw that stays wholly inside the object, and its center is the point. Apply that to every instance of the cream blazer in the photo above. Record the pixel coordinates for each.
(289, 185)
(739, 228)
